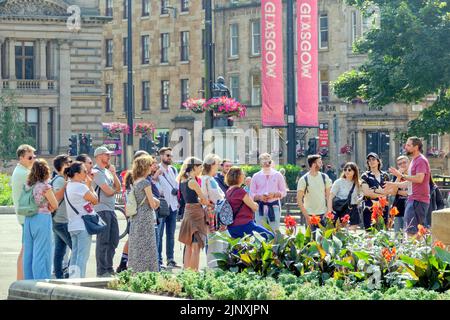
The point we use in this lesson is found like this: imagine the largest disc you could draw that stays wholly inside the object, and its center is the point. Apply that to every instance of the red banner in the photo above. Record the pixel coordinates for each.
(307, 64)
(323, 138)
(272, 63)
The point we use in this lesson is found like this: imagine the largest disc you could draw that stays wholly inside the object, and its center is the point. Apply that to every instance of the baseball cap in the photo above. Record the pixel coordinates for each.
(102, 150)
(373, 154)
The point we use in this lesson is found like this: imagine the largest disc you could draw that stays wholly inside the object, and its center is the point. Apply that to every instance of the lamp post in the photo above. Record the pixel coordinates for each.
(130, 107)
(209, 61)
(291, 128)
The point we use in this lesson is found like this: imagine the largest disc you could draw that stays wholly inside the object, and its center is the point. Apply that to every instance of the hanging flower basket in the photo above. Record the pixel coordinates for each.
(114, 129)
(225, 106)
(144, 129)
(435, 153)
(346, 149)
(195, 105)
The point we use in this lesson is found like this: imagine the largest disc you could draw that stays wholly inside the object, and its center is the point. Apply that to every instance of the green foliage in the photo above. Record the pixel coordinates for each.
(12, 128)
(5, 190)
(434, 119)
(222, 285)
(408, 59)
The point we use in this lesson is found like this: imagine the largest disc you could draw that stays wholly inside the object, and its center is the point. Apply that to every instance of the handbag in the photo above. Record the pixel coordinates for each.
(92, 222)
(339, 205)
(163, 210)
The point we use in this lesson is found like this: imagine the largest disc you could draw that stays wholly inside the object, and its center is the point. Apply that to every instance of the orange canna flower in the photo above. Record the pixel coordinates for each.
(383, 202)
(422, 230)
(388, 254)
(345, 219)
(290, 222)
(314, 220)
(330, 215)
(393, 212)
(439, 244)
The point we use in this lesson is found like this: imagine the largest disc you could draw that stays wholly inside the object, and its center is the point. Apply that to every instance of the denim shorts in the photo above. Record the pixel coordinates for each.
(415, 214)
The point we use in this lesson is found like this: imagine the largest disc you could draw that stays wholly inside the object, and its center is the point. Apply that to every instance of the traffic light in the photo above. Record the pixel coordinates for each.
(73, 147)
(84, 144)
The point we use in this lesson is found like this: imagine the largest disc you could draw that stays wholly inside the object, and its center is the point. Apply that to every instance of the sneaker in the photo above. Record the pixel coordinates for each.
(172, 264)
(121, 267)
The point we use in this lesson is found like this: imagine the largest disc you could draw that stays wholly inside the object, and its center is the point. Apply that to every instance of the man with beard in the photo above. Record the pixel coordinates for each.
(419, 189)
(168, 188)
(220, 177)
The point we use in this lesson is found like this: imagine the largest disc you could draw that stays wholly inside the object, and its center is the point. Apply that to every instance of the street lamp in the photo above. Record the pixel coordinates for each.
(209, 61)
(291, 128)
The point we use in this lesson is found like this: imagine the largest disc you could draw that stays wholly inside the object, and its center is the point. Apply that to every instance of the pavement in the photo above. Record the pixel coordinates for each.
(10, 238)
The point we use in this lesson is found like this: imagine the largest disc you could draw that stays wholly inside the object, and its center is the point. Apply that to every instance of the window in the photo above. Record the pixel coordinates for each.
(31, 118)
(109, 97)
(125, 9)
(125, 51)
(164, 5)
(145, 95)
(145, 8)
(109, 8)
(354, 28)
(434, 142)
(164, 47)
(234, 87)
(323, 33)
(256, 90)
(324, 86)
(256, 37)
(234, 40)
(184, 5)
(184, 49)
(184, 90)
(125, 97)
(145, 49)
(165, 94)
(24, 54)
(109, 52)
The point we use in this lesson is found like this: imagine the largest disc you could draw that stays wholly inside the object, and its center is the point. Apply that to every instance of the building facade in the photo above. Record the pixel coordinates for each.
(50, 59)
(168, 62)
(348, 131)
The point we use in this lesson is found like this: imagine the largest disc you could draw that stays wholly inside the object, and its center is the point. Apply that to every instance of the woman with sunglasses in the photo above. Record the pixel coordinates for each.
(347, 187)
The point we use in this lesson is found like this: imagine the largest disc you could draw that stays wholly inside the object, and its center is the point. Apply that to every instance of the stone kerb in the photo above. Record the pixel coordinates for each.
(73, 289)
(440, 226)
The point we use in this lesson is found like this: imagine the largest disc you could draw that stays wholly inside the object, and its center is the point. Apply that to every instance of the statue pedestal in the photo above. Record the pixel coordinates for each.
(440, 226)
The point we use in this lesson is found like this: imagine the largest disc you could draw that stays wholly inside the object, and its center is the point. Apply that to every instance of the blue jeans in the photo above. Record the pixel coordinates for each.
(62, 241)
(240, 231)
(398, 224)
(170, 223)
(37, 247)
(81, 247)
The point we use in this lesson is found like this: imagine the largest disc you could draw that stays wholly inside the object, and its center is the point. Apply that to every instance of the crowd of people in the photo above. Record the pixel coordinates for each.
(157, 195)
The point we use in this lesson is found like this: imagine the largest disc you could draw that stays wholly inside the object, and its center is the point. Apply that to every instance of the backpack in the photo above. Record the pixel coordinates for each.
(131, 206)
(27, 205)
(307, 184)
(224, 211)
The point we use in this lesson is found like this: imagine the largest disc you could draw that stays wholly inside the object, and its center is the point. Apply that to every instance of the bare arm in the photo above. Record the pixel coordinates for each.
(250, 203)
(330, 201)
(327, 196)
(300, 195)
(154, 203)
(50, 196)
(370, 192)
(91, 196)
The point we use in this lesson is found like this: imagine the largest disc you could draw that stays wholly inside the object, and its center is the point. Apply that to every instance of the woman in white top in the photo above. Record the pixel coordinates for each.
(341, 189)
(213, 193)
(82, 197)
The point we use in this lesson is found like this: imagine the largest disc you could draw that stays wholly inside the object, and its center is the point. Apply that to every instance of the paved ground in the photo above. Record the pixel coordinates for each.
(10, 236)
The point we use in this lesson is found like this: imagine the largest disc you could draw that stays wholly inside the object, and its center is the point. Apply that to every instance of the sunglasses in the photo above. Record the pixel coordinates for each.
(267, 162)
(348, 169)
(31, 157)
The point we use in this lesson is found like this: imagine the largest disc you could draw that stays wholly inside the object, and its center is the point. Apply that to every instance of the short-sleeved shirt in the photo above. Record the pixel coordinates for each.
(40, 188)
(76, 192)
(102, 176)
(245, 215)
(211, 189)
(419, 191)
(369, 178)
(314, 199)
(18, 180)
(342, 187)
(61, 213)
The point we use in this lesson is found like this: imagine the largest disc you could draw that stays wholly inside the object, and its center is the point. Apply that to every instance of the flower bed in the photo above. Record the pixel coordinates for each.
(223, 285)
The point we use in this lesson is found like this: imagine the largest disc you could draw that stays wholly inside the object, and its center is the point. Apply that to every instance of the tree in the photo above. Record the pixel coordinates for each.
(408, 60)
(13, 130)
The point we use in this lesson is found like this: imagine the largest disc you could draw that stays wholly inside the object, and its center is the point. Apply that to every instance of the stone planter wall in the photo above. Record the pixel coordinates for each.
(440, 226)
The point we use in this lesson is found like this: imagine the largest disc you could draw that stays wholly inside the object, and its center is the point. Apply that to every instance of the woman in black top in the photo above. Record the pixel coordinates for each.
(193, 230)
(373, 181)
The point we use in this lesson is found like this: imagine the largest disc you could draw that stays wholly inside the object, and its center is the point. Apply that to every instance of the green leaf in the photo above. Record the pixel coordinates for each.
(246, 258)
(442, 255)
(407, 259)
(344, 264)
(329, 232)
(338, 243)
(362, 255)
(300, 240)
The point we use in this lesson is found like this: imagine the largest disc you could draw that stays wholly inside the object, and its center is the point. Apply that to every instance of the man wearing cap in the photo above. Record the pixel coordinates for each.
(106, 184)
(373, 182)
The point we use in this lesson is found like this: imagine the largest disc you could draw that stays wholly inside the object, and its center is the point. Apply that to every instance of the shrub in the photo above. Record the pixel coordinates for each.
(5, 190)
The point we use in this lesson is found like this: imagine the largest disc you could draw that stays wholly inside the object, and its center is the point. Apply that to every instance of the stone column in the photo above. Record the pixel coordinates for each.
(12, 63)
(360, 152)
(1, 55)
(42, 60)
(45, 119)
(392, 148)
(65, 124)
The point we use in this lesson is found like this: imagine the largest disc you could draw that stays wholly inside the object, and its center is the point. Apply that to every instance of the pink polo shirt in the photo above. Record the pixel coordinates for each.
(271, 183)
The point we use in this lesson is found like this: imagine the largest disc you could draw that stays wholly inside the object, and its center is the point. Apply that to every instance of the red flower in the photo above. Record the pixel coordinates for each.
(393, 212)
(439, 244)
(345, 219)
(422, 230)
(383, 202)
(388, 254)
(289, 221)
(330, 215)
(314, 220)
